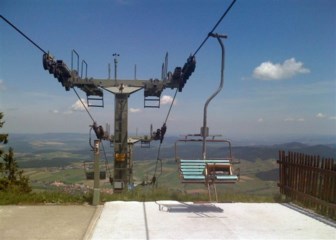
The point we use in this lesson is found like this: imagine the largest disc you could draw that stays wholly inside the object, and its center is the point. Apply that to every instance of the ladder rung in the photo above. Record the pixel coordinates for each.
(152, 102)
(95, 101)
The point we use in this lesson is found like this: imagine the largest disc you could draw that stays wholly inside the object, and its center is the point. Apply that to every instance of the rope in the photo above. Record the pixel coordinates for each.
(24, 35)
(204, 41)
(155, 178)
(87, 110)
(36, 45)
(108, 169)
(171, 105)
(164, 125)
(106, 161)
(216, 25)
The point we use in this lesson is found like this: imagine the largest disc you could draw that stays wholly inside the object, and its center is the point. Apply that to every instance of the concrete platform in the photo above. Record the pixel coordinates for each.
(178, 220)
(163, 220)
(46, 222)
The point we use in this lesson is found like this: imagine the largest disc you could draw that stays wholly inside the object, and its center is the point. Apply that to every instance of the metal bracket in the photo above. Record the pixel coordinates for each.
(95, 101)
(152, 102)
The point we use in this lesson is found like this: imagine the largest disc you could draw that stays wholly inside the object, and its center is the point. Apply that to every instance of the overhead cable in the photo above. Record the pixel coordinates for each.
(24, 35)
(87, 110)
(216, 25)
(164, 125)
(41, 49)
(171, 105)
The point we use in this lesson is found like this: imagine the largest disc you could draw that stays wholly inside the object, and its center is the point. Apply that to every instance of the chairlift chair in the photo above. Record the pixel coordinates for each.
(145, 142)
(207, 171)
(89, 170)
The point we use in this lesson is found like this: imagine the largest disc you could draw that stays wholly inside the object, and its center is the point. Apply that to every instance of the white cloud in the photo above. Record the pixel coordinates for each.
(2, 85)
(288, 69)
(289, 119)
(78, 106)
(68, 112)
(320, 115)
(165, 99)
(324, 116)
(260, 120)
(134, 110)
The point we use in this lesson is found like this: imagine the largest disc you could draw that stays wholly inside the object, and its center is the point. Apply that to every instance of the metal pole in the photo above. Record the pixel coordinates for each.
(109, 71)
(115, 55)
(96, 187)
(205, 129)
(121, 159)
(115, 68)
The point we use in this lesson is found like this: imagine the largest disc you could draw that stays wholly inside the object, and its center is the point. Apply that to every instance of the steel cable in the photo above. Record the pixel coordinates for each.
(41, 49)
(86, 109)
(24, 35)
(216, 25)
(197, 50)
(154, 179)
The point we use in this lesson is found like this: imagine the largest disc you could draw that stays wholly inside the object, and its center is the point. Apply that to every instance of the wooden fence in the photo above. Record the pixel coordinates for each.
(309, 180)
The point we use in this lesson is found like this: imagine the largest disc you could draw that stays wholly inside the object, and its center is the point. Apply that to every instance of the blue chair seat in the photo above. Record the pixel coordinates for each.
(192, 171)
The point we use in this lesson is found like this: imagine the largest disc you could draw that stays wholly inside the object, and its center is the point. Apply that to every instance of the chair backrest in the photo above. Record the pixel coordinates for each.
(201, 171)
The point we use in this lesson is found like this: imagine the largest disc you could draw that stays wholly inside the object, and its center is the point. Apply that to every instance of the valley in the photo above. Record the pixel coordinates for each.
(55, 161)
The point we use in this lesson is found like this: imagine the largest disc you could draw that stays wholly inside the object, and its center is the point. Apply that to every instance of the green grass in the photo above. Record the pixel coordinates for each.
(249, 189)
(45, 197)
(155, 194)
(138, 194)
(250, 183)
(68, 176)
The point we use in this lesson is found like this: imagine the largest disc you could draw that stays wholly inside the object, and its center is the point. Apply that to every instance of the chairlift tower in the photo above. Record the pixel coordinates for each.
(123, 161)
(122, 90)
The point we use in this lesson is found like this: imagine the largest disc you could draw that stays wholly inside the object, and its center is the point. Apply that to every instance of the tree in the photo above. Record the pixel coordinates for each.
(3, 140)
(11, 177)
(3, 137)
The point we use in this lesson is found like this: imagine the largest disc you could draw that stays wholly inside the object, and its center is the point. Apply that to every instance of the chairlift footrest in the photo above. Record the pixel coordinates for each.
(95, 101)
(152, 102)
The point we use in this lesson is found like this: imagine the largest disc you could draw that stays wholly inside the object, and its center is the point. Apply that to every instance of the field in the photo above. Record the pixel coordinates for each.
(56, 162)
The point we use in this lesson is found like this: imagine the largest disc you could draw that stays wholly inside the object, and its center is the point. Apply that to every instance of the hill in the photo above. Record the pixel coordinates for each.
(58, 158)
(61, 150)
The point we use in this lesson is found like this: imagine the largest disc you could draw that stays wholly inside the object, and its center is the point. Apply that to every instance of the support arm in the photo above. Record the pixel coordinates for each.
(205, 129)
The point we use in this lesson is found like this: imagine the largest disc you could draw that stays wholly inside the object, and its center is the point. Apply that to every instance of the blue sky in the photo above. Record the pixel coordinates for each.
(280, 64)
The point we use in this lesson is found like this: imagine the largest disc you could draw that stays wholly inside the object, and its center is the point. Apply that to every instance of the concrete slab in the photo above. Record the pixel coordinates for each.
(178, 220)
(45, 222)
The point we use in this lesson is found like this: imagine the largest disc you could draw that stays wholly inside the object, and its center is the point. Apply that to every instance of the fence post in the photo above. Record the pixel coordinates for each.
(309, 180)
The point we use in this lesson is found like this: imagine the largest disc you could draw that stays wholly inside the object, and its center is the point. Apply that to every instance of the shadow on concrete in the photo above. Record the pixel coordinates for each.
(311, 214)
(182, 207)
(145, 220)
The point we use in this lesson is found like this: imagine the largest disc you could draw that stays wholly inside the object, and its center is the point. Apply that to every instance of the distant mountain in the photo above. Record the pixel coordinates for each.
(326, 151)
(64, 149)
(13, 137)
(267, 152)
(292, 145)
(252, 153)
